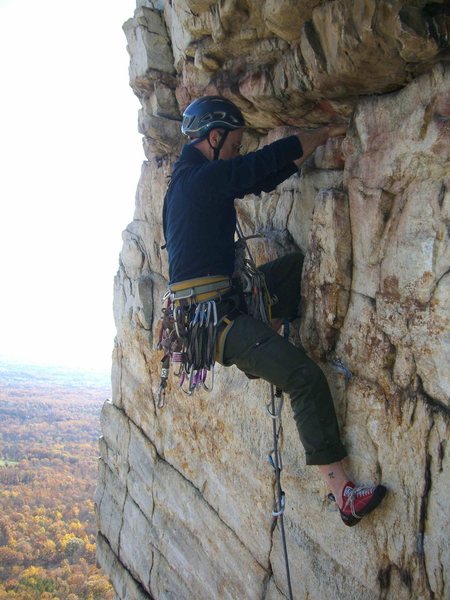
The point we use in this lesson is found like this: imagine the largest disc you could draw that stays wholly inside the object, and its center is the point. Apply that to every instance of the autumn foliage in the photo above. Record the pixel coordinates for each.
(48, 468)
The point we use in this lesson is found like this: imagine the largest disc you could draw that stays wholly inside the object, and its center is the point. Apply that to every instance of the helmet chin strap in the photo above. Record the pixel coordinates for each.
(218, 148)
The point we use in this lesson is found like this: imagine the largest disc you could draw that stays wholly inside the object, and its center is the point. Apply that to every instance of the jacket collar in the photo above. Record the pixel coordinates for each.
(191, 154)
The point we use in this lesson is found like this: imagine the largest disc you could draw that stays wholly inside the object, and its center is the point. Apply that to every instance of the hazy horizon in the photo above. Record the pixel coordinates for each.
(13, 366)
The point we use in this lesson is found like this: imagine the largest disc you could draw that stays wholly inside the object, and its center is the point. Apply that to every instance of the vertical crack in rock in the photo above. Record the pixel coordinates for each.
(126, 490)
(152, 486)
(152, 385)
(141, 592)
(271, 581)
(152, 564)
(121, 527)
(427, 482)
(441, 454)
(441, 195)
(273, 527)
(269, 562)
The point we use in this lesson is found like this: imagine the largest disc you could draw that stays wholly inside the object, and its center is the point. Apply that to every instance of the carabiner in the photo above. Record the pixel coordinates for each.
(205, 387)
(273, 464)
(208, 313)
(161, 396)
(278, 513)
(277, 411)
(175, 320)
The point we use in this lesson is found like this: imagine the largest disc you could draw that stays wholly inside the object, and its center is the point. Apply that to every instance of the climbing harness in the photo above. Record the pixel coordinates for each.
(188, 332)
(192, 333)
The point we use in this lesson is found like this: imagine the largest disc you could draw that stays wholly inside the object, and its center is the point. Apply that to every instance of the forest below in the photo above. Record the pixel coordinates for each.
(49, 429)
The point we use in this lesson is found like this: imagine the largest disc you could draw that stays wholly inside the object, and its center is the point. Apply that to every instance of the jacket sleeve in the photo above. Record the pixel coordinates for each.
(272, 181)
(256, 172)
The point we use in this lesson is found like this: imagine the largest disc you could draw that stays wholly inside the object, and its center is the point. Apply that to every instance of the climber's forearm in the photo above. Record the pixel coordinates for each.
(310, 140)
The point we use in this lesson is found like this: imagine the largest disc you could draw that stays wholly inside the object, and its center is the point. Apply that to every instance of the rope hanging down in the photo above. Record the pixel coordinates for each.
(258, 306)
(274, 409)
(188, 336)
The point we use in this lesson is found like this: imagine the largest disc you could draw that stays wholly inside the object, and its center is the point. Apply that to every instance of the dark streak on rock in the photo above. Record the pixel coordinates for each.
(384, 577)
(442, 193)
(422, 519)
(413, 413)
(406, 578)
(434, 406)
(313, 38)
(441, 454)
(437, 17)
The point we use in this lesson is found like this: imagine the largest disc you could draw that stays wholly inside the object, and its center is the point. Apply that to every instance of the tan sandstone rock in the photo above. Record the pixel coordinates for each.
(185, 492)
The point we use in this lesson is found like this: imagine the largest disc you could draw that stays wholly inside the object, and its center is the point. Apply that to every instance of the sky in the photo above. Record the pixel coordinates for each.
(70, 159)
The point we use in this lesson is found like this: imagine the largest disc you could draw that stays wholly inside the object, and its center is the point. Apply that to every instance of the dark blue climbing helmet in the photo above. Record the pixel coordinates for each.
(210, 112)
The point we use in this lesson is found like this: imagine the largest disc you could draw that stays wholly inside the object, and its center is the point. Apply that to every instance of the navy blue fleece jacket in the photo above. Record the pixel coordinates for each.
(199, 215)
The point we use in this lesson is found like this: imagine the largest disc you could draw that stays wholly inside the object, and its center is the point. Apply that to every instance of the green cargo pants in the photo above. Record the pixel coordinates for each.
(258, 350)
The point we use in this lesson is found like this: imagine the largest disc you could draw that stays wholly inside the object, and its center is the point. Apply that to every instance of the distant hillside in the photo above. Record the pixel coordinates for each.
(49, 429)
(36, 381)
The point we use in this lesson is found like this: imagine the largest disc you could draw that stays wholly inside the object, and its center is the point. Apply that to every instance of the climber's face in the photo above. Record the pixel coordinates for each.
(232, 145)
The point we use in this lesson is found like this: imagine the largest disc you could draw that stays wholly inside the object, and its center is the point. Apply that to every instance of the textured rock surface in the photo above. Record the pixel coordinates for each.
(185, 493)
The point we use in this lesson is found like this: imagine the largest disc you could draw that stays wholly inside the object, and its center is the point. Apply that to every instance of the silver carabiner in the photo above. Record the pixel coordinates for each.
(273, 463)
(278, 513)
(205, 387)
(161, 396)
(175, 320)
(208, 313)
(196, 314)
(277, 411)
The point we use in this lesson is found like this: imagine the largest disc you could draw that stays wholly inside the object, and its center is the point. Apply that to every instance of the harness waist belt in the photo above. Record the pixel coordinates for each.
(200, 289)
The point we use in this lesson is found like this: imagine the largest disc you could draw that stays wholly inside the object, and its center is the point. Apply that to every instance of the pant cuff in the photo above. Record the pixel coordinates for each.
(326, 456)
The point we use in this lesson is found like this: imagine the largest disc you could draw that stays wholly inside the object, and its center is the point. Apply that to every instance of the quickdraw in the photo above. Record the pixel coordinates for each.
(188, 336)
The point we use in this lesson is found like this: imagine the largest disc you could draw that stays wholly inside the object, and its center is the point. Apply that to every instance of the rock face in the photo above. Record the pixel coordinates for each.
(185, 492)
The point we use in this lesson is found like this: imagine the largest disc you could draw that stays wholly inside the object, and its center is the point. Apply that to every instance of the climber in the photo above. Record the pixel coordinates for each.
(199, 225)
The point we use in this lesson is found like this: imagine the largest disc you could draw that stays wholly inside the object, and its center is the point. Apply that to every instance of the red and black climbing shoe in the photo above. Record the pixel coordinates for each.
(359, 501)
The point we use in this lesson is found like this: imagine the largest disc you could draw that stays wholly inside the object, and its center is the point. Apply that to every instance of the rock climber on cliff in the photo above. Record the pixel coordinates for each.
(199, 226)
